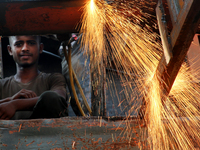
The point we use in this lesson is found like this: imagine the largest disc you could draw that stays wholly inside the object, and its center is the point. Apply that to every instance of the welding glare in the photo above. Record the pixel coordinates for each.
(92, 5)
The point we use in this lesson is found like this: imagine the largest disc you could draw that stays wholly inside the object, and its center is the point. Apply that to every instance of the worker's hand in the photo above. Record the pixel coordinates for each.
(24, 94)
(7, 110)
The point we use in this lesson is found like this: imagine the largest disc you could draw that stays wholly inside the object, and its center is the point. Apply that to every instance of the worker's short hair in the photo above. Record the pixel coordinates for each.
(38, 36)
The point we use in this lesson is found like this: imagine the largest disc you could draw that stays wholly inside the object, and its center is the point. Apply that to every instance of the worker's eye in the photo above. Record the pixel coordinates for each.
(18, 44)
(32, 43)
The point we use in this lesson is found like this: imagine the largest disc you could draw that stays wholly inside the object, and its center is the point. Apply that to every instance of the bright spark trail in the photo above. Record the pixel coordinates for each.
(113, 33)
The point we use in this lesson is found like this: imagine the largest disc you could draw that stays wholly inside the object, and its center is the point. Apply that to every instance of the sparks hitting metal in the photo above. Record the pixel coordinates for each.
(113, 33)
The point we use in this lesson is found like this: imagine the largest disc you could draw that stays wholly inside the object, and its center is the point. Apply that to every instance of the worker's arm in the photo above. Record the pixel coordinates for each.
(5, 100)
(8, 109)
(23, 100)
(21, 94)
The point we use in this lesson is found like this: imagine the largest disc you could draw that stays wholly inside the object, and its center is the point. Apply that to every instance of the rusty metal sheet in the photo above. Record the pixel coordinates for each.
(39, 17)
(68, 133)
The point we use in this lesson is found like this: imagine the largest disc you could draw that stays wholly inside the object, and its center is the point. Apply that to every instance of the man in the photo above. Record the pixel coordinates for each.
(30, 94)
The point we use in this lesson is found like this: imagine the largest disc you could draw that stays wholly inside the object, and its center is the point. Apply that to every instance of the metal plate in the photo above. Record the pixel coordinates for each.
(68, 133)
(39, 17)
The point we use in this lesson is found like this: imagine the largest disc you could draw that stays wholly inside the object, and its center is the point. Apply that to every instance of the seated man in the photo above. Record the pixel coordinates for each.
(31, 94)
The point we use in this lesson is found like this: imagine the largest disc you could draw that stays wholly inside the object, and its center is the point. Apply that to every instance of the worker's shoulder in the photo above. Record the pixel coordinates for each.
(6, 80)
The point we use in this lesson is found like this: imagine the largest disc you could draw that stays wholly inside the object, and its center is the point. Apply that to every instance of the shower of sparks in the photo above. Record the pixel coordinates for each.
(112, 33)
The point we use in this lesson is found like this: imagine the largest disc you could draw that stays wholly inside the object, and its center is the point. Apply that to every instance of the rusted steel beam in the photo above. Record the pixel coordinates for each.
(26, 17)
(177, 43)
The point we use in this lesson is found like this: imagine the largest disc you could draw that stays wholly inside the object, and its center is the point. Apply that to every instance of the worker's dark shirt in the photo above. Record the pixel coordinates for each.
(43, 82)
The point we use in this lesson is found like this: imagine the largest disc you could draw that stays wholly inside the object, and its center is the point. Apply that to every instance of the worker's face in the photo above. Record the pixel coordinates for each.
(25, 49)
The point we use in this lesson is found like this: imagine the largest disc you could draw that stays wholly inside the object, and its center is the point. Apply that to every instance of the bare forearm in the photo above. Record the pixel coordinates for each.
(5, 100)
(25, 104)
